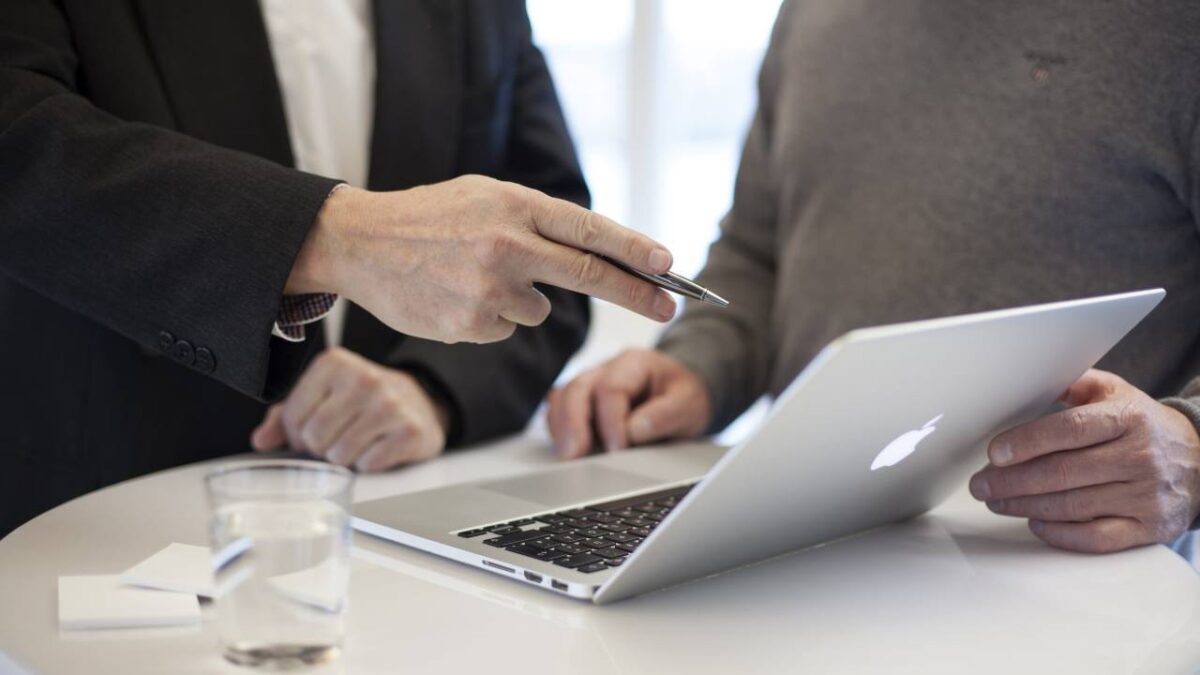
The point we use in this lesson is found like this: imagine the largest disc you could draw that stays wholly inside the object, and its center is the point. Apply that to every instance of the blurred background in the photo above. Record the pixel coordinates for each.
(658, 95)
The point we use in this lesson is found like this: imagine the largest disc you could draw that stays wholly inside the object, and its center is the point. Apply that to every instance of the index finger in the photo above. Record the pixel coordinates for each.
(1070, 429)
(586, 273)
(580, 228)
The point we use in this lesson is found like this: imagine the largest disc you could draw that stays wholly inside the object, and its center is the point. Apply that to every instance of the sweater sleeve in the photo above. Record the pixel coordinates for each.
(729, 347)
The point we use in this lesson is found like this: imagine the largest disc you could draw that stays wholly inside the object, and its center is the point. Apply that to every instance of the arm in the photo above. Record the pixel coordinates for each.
(205, 236)
(713, 362)
(729, 347)
(494, 389)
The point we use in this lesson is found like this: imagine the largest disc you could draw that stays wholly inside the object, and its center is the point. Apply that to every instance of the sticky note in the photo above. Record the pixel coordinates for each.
(101, 601)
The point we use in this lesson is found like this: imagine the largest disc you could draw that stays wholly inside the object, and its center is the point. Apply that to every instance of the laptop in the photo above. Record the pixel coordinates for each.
(881, 426)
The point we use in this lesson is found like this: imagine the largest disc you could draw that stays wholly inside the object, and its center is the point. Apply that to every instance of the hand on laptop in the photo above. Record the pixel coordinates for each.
(637, 397)
(355, 412)
(456, 261)
(1116, 470)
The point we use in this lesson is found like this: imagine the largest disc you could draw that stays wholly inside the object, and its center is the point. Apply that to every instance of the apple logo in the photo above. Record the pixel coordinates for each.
(904, 445)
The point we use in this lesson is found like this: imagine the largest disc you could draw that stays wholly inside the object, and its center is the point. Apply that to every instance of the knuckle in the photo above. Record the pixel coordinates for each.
(1075, 423)
(1132, 416)
(588, 270)
(1062, 472)
(498, 247)
(587, 229)
(639, 294)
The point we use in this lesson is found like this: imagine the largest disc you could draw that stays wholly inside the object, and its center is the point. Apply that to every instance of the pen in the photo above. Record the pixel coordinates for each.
(675, 283)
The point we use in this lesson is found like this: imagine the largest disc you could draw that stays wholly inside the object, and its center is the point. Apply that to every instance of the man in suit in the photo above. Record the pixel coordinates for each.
(969, 156)
(160, 256)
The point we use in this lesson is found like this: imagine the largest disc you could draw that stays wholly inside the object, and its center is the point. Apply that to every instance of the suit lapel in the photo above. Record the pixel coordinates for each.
(216, 67)
(418, 47)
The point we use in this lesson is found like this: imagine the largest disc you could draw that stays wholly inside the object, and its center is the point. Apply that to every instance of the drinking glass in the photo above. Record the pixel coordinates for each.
(280, 534)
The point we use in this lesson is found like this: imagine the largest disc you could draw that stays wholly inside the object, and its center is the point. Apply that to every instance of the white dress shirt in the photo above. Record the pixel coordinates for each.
(324, 54)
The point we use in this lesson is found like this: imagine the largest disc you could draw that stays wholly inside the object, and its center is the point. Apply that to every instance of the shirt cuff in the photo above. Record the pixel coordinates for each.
(297, 311)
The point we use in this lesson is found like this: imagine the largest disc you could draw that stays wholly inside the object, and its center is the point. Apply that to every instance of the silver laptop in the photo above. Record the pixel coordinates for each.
(881, 426)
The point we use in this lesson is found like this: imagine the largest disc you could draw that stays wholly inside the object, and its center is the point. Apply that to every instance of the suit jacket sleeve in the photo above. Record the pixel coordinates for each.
(494, 389)
(144, 230)
(729, 347)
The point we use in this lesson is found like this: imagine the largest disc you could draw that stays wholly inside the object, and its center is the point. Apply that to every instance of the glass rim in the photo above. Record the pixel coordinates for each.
(227, 469)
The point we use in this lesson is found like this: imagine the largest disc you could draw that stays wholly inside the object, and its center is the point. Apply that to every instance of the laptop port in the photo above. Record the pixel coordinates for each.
(498, 566)
(535, 578)
(558, 585)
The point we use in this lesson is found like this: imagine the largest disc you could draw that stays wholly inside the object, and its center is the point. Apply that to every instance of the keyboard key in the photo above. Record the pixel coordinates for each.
(594, 567)
(571, 548)
(472, 533)
(615, 562)
(610, 553)
(522, 521)
(654, 516)
(640, 531)
(591, 533)
(620, 504)
(576, 523)
(543, 544)
(517, 537)
(524, 549)
(595, 543)
(552, 554)
(569, 538)
(614, 528)
(649, 508)
(550, 518)
(576, 513)
(555, 529)
(578, 560)
(603, 518)
(620, 538)
(503, 528)
(628, 547)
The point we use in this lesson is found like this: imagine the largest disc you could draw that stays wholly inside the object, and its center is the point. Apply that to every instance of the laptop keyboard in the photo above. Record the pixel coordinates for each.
(589, 539)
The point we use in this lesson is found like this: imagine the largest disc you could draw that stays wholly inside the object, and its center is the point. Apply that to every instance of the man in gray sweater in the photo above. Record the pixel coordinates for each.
(916, 158)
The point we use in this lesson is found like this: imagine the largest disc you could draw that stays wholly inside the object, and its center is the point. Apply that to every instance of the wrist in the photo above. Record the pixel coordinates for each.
(319, 264)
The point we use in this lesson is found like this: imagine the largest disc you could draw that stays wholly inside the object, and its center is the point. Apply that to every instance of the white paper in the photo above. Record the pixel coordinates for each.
(101, 601)
(179, 567)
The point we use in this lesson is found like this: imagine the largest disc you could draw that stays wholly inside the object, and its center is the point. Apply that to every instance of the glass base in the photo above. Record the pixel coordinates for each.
(281, 657)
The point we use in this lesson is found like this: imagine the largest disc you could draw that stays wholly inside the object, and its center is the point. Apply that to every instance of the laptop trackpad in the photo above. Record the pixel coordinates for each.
(571, 485)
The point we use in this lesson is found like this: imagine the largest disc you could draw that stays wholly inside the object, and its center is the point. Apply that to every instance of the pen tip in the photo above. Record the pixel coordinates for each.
(715, 299)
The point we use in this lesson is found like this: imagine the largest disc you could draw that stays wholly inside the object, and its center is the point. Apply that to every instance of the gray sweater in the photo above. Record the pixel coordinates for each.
(920, 158)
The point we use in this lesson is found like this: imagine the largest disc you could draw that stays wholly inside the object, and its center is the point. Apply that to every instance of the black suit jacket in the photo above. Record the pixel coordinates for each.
(149, 220)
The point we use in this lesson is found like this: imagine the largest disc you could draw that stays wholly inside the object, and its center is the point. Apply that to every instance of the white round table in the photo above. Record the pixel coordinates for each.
(957, 591)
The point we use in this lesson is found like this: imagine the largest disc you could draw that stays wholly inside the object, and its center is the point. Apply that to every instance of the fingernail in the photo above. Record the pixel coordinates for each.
(664, 306)
(660, 260)
(996, 505)
(1037, 526)
(1002, 454)
(980, 488)
(567, 449)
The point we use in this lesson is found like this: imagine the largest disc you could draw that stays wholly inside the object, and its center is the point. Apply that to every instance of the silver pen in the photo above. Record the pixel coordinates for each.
(674, 283)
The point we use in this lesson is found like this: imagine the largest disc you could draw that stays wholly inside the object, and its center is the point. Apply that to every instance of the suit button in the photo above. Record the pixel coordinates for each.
(184, 353)
(166, 342)
(205, 361)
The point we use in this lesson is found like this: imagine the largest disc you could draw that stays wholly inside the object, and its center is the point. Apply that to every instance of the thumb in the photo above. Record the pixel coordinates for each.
(668, 415)
(270, 433)
(1091, 387)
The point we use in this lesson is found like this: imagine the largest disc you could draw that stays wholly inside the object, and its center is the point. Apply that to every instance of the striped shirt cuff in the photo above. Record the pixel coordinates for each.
(297, 311)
